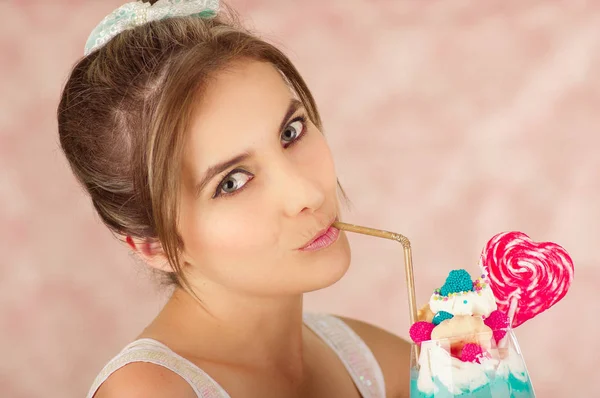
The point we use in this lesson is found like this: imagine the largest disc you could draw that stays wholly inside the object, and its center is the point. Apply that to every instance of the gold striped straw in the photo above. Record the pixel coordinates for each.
(408, 268)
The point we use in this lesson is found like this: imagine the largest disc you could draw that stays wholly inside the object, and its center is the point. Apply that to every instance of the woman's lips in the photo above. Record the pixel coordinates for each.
(323, 239)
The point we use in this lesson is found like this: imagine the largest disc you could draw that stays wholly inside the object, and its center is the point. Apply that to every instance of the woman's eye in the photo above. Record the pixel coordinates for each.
(233, 182)
(292, 132)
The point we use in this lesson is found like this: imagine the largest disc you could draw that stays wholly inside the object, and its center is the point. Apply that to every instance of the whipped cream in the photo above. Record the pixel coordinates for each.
(458, 376)
(513, 365)
(480, 302)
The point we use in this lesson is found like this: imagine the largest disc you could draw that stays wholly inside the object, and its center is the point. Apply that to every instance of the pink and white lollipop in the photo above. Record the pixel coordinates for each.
(526, 277)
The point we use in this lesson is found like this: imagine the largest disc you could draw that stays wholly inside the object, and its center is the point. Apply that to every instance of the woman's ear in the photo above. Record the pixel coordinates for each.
(151, 251)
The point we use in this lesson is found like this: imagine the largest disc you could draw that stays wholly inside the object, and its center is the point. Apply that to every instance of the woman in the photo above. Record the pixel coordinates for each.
(200, 146)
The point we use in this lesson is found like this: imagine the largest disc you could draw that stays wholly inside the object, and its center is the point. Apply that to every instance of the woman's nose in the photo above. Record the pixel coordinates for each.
(299, 189)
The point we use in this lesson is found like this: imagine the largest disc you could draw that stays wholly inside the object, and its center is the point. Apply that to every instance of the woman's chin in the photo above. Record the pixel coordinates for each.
(328, 265)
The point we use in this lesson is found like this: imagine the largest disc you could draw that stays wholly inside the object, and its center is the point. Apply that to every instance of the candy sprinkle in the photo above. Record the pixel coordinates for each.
(457, 281)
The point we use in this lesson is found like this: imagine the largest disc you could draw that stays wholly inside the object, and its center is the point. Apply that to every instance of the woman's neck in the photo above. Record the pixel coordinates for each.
(255, 332)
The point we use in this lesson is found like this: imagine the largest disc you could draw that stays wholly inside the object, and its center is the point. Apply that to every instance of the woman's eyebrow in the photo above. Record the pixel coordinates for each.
(292, 108)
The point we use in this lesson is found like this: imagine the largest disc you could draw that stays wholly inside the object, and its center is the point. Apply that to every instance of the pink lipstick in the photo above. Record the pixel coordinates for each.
(323, 239)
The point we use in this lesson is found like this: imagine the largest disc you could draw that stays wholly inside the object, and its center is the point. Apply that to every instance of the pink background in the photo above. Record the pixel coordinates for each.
(450, 121)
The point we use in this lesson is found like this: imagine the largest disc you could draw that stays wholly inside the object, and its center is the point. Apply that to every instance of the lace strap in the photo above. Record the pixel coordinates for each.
(152, 351)
(352, 351)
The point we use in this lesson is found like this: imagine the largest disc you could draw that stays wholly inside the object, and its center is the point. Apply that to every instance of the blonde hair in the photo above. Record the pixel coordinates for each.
(125, 108)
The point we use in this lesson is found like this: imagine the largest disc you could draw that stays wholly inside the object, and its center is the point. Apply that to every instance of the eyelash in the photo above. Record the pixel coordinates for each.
(218, 194)
(300, 118)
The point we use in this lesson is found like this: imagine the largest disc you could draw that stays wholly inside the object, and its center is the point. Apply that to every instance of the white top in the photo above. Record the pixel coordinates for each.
(352, 351)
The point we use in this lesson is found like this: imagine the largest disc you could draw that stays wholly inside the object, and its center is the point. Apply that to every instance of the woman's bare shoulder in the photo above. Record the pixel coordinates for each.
(391, 352)
(147, 380)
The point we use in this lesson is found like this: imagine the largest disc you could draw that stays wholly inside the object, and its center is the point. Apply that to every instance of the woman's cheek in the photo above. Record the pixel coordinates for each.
(322, 163)
(237, 229)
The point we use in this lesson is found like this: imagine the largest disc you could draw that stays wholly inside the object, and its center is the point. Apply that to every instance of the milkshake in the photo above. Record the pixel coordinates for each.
(464, 341)
(465, 356)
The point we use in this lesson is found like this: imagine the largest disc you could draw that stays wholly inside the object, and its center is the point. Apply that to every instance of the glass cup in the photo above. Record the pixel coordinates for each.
(487, 369)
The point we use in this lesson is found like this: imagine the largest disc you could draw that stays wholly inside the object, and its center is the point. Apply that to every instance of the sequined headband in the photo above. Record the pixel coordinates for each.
(137, 13)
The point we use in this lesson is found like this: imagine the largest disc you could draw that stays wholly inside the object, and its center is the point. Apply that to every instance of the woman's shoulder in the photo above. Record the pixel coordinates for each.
(149, 368)
(391, 352)
(144, 379)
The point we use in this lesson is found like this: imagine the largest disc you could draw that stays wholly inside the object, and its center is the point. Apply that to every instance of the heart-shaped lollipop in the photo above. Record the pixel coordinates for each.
(526, 277)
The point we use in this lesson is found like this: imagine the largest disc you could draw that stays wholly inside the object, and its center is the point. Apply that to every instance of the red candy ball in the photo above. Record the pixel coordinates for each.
(498, 322)
(472, 352)
(421, 331)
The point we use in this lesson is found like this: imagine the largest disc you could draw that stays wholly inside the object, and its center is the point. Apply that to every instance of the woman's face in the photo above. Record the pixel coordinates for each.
(259, 185)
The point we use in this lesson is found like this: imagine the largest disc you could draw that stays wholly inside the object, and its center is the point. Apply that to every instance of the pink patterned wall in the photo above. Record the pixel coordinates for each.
(449, 120)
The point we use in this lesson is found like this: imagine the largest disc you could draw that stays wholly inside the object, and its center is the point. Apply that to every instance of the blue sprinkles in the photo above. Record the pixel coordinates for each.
(457, 281)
